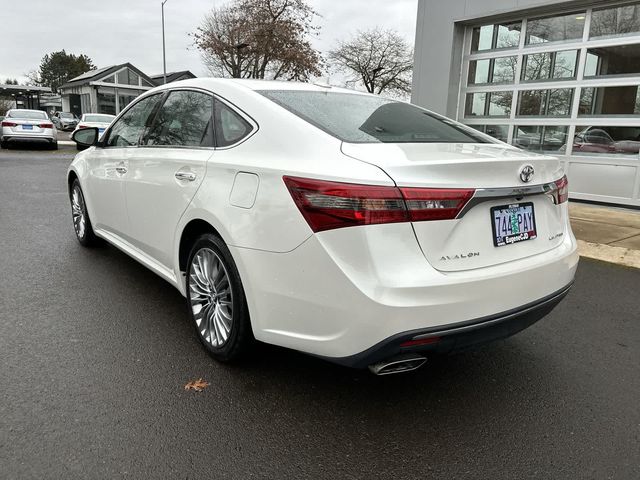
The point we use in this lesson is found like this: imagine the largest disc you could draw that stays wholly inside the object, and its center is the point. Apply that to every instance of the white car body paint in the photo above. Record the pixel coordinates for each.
(339, 292)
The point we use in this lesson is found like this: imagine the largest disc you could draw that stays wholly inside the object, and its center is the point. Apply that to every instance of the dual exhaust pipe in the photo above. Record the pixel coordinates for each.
(406, 362)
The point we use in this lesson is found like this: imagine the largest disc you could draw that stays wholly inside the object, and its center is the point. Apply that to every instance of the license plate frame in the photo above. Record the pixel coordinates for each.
(521, 235)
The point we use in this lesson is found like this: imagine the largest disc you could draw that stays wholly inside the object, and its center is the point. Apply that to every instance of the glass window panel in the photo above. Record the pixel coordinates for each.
(494, 104)
(476, 103)
(610, 101)
(599, 140)
(615, 21)
(479, 71)
(123, 78)
(552, 65)
(504, 70)
(498, 70)
(230, 127)
(502, 35)
(109, 79)
(134, 78)
(541, 138)
(106, 97)
(555, 29)
(618, 60)
(499, 132)
(184, 120)
(500, 104)
(147, 84)
(564, 65)
(553, 103)
(536, 67)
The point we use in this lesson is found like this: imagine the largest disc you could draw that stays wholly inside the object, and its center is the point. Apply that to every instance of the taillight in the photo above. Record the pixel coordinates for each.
(561, 193)
(9, 124)
(46, 125)
(328, 205)
(82, 126)
(435, 203)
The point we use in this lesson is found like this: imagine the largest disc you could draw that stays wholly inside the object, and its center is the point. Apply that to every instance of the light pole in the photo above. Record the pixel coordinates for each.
(164, 53)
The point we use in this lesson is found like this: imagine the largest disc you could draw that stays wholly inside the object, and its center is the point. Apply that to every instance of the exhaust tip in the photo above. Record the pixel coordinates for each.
(402, 363)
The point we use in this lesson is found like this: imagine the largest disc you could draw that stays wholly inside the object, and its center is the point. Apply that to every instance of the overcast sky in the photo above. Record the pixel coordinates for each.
(118, 31)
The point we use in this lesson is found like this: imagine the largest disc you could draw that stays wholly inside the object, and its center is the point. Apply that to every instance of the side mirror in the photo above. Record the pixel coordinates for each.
(86, 137)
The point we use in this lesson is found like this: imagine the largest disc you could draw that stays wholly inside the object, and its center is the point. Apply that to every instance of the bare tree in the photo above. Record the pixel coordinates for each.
(381, 59)
(260, 39)
(6, 104)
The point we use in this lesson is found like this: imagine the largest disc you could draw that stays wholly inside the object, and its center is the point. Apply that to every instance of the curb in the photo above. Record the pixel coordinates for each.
(606, 253)
(66, 142)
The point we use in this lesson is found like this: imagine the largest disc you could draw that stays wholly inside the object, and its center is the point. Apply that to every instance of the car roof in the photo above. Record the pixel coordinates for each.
(258, 85)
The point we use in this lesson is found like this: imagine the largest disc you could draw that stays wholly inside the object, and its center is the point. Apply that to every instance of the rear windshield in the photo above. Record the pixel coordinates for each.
(66, 115)
(27, 114)
(98, 118)
(358, 118)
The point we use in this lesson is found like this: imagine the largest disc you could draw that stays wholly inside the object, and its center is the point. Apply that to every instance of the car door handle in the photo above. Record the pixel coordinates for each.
(188, 176)
(121, 169)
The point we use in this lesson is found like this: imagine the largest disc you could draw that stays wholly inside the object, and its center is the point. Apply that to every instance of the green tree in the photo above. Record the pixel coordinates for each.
(57, 68)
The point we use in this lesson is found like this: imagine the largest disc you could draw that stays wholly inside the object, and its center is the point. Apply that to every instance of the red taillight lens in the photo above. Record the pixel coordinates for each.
(420, 341)
(328, 205)
(9, 124)
(46, 125)
(82, 126)
(561, 193)
(435, 204)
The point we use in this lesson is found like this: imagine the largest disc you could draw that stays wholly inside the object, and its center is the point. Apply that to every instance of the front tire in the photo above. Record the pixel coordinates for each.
(81, 221)
(216, 300)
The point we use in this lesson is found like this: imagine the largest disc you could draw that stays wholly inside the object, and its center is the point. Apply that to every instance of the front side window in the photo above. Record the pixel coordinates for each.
(184, 120)
(359, 118)
(126, 132)
(230, 127)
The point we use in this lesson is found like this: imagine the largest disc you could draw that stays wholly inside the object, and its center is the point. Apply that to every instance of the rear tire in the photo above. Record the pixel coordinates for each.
(216, 300)
(4, 144)
(80, 215)
(53, 146)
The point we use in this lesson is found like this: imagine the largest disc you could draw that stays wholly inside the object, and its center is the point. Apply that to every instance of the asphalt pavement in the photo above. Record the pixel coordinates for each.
(95, 351)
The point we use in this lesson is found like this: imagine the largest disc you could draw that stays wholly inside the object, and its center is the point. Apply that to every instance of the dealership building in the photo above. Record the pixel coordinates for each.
(556, 77)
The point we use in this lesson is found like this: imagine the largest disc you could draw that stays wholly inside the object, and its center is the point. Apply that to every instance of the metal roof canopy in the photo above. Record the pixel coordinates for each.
(22, 89)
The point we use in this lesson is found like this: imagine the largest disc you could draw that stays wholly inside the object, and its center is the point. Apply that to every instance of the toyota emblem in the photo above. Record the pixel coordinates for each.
(526, 173)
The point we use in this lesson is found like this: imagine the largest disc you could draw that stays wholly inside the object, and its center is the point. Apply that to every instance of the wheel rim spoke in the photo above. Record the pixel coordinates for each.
(210, 296)
(78, 211)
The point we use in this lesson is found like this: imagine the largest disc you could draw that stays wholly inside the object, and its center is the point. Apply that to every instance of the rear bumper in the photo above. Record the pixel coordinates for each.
(338, 297)
(457, 337)
(50, 138)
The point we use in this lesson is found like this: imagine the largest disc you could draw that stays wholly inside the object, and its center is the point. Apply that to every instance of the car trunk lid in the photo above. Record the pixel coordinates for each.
(493, 171)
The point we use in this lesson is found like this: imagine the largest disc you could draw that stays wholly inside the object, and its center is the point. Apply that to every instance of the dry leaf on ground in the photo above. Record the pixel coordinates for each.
(197, 385)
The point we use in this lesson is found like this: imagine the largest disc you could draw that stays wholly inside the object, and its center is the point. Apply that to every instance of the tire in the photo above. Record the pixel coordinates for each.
(4, 145)
(81, 221)
(53, 146)
(216, 300)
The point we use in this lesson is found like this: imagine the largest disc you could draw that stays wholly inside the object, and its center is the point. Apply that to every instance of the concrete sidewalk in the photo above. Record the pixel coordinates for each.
(610, 234)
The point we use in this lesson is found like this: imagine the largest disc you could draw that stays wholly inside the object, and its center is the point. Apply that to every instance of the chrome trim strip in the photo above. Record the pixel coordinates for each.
(516, 193)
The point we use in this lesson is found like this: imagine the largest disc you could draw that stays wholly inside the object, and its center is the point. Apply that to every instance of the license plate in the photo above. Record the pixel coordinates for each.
(513, 224)
(27, 127)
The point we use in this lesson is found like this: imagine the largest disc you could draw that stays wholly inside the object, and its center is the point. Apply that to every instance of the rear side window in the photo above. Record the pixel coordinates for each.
(127, 130)
(359, 118)
(184, 120)
(230, 126)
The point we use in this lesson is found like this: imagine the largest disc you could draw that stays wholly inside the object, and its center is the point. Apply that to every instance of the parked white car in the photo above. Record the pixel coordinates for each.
(97, 120)
(365, 231)
(20, 125)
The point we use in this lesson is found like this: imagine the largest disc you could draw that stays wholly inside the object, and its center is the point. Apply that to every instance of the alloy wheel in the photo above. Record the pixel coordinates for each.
(210, 297)
(78, 210)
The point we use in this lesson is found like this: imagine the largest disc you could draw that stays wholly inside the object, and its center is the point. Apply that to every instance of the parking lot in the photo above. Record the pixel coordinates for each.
(95, 351)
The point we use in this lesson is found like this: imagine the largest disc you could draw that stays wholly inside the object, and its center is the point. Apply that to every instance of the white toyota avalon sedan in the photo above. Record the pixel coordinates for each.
(362, 230)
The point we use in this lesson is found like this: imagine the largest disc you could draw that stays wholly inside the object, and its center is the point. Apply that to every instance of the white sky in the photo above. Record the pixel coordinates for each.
(118, 31)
